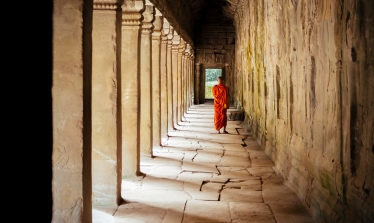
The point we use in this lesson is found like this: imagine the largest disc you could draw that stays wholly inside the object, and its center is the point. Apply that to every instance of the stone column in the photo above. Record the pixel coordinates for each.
(192, 78)
(170, 79)
(129, 86)
(163, 82)
(71, 107)
(182, 46)
(187, 78)
(197, 84)
(156, 80)
(228, 82)
(106, 168)
(175, 61)
(145, 81)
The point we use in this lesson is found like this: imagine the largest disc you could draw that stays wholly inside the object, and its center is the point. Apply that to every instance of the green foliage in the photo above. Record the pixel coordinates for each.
(212, 74)
(211, 79)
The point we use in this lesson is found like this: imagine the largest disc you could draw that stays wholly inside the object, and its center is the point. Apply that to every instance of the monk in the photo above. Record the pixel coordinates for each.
(221, 103)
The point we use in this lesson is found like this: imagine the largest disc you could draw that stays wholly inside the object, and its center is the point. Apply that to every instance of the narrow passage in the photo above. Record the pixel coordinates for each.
(201, 176)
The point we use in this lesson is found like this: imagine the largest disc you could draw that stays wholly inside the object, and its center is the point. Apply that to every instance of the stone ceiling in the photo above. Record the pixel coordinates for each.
(201, 7)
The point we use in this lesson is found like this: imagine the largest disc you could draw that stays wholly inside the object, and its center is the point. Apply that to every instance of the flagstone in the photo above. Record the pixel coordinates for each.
(199, 167)
(279, 194)
(206, 211)
(169, 172)
(204, 195)
(228, 160)
(240, 195)
(247, 185)
(152, 183)
(259, 171)
(219, 179)
(234, 147)
(138, 212)
(213, 187)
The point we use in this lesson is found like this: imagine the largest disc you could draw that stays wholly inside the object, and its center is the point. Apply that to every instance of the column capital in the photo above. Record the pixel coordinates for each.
(131, 12)
(157, 25)
(148, 17)
(105, 4)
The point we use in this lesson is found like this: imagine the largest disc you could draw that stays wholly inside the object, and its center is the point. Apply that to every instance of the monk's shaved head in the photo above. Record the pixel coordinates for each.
(220, 79)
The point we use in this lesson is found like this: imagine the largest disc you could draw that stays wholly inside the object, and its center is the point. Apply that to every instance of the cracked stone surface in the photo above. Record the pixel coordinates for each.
(200, 176)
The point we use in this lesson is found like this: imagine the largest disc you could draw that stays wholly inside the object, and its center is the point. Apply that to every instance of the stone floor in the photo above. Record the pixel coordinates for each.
(200, 176)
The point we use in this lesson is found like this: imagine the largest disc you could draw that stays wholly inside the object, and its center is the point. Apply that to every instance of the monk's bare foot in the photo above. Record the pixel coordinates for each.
(224, 131)
(218, 132)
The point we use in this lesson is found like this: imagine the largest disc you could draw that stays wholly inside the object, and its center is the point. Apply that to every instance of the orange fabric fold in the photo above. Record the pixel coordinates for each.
(220, 94)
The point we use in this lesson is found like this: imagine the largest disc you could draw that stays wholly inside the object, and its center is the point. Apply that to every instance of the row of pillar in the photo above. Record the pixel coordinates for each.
(142, 81)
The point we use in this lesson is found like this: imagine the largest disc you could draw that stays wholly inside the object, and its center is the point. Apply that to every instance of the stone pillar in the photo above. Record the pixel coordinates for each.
(187, 77)
(129, 86)
(228, 80)
(192, 78)
(169, 63)
(156, 97)
(71, 107)
(163, 81)
(145, 81)
(197, 83)
(106, 168)
(182, 46)
(175, 61)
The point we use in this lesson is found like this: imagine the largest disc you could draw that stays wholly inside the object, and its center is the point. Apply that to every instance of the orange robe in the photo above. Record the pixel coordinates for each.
(220, 94)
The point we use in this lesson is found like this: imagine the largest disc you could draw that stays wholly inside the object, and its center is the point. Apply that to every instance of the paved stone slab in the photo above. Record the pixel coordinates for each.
(178, 156)
(280, 194)
(247, 185)
(293, 219)
(234, 147)
(260, 171)
(152, 183)
(244, 210)
(228, 160)
(168, 172)
(219, 179)
(204, 195)
(132, 183)
(234, 172)
(199, 167)
(257, 219)
(159, 161)
(138, 212)
(272, 181)
(240, 195)
(193, 181)
(237, 153)
(189, 155)
(155, 196)
(175, 212)
(103, 214)
(211, 145)
(296, 208)
(212, 187)
(254, 153)
(261, 161)
(208, 156)
(206, 211)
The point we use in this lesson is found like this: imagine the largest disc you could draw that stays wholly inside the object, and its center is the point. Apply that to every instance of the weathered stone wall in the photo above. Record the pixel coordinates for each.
(305, 76)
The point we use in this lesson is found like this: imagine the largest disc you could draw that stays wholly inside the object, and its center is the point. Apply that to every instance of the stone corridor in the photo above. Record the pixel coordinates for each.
(201, 176)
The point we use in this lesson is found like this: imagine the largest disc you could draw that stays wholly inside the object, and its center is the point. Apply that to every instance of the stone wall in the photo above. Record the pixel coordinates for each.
(305, 76)
(215, 48)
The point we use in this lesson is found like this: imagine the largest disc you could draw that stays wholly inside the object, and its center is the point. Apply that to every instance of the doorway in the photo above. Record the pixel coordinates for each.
(211, 76)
